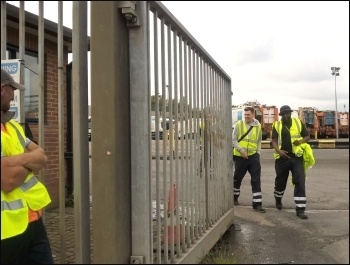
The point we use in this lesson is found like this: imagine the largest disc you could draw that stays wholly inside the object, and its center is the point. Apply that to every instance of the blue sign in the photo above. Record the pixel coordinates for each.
(11, 68)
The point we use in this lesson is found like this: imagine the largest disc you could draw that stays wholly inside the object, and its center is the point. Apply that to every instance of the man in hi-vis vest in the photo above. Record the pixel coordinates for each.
(288, 135)
(246, 141)
(23, 196)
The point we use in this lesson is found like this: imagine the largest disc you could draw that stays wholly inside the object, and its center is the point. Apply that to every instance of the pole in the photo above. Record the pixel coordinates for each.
(336, 106)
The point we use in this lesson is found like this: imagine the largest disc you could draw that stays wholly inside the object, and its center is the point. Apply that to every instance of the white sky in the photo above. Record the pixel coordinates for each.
(275, 52)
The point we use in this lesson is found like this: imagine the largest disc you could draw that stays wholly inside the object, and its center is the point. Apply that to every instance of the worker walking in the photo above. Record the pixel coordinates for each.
(288, 135)
(247, 137)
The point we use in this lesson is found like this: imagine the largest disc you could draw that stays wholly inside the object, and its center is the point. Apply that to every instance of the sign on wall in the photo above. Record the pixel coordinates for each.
(13, 67)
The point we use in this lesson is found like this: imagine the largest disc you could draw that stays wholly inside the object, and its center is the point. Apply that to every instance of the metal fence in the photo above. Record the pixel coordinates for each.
(161, 200)
(191, 171)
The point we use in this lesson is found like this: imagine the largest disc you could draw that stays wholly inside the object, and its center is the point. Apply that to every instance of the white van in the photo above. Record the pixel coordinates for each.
(153, 128)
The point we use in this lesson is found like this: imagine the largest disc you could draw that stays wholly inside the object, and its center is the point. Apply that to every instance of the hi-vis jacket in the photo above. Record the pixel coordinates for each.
(31, 194)
(250, 143)
(294, 130)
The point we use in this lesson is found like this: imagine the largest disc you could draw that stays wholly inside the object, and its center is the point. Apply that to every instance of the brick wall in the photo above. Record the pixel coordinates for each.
(51, 144)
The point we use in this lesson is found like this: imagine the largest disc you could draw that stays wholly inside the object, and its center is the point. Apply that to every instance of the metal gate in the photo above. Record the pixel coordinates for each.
(161, 199)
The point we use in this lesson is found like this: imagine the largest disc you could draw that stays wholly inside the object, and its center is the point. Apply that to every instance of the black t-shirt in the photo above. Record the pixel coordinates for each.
(286, 144)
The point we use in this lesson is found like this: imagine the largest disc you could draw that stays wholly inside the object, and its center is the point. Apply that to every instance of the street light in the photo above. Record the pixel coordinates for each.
(335, 72)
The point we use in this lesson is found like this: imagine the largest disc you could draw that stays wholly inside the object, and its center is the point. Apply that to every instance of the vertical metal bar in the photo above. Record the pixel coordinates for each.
(182, 143)
(217, 179)
(197, 143)
(206, 176)
(156, 89)
(187, 151)
(165, 226)
(199, 152)
(192, 162)
(61, 99)
(203, 177)
(176, 139)
(80, 136)
(141, 236)
(22, 45)
(171, 183)
(211, 180)
(41, 86)
(3, 30)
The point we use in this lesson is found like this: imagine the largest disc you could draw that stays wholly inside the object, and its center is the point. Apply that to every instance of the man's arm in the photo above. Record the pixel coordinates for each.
(14, 169)
(274, 143)
(304, 133)
(11, 176)
(235, 139)
(236, 144)
(259, 140)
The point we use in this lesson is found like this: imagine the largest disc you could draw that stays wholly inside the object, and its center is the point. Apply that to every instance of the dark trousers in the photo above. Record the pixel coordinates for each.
(30, 247)
(295, 165)
(253, 166)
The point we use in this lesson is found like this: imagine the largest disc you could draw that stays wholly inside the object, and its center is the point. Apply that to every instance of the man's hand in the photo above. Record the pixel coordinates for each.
(283, 153)
(244, 154)
(297, 142)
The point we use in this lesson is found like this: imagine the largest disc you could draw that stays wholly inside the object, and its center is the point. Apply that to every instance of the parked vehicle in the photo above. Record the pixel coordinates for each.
(153, 128)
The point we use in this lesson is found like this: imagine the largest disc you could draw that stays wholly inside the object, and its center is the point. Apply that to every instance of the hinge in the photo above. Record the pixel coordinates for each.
(136, 260)
(129, 11)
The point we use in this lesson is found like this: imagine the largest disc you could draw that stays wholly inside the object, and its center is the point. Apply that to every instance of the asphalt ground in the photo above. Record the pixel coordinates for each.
(277, 236)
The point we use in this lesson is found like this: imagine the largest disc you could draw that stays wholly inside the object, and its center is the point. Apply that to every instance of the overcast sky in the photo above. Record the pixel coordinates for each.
(275, 52)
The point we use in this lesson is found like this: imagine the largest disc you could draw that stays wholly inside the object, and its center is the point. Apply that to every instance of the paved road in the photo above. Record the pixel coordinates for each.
(276, 236)
(279, 237)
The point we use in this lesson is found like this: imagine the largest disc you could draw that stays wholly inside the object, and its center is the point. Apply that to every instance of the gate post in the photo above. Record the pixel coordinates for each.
(110, 122)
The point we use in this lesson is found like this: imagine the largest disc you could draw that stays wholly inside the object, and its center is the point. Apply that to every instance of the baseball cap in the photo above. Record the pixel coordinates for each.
(7, 79)
(284, 109)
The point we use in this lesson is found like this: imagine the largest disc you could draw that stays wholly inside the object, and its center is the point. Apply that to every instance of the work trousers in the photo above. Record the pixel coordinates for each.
(253, 166)
(30, 247)
(296, 166)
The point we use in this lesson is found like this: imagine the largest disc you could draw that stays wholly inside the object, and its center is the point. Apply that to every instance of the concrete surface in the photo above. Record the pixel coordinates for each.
(274, 237)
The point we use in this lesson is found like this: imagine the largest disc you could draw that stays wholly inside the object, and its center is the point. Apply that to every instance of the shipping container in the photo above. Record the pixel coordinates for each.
(343, 130)
(326, 121)
(309, 118)
(270, 114)
(327, 124)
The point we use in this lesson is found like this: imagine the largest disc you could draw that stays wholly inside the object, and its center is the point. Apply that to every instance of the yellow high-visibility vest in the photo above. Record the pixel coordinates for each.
(31, 194)
(294, 130)
(249, 144)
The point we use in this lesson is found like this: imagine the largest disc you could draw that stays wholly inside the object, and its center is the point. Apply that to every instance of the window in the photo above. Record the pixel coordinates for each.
(31, 82)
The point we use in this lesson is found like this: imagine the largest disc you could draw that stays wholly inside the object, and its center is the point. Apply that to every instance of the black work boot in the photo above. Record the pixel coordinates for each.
(302, 215)
(235, 200)
(279, 203)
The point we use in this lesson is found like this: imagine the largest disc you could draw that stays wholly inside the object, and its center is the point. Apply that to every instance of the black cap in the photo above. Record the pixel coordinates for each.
(284, 109)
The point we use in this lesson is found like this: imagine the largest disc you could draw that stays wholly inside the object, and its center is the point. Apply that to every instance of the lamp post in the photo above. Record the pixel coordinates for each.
(335, 72)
